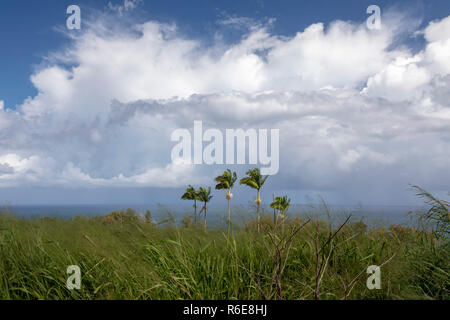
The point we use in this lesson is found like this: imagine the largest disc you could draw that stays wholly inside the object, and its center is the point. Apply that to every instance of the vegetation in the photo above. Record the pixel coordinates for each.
(281, 204)
(126, 255)
(204, 195)
(192, 194)
(226, 181)
(128, 258)
(255, 180)
(438, 214)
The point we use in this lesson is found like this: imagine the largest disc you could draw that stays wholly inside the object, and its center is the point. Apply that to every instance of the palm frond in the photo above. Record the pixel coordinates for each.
(254, 179)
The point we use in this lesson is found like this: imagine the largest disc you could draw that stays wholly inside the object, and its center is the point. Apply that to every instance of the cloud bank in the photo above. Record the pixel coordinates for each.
(355, 109)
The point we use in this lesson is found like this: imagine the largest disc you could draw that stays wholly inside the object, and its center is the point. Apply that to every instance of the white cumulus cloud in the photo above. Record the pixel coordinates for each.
(352, 107)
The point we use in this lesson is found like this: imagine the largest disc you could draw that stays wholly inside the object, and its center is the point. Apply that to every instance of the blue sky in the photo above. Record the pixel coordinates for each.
(87, 115)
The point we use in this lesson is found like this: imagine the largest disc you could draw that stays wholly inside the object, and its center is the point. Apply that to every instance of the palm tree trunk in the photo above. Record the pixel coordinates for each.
(204, 207)
(229, 216)
(258, 204)
(195, 212)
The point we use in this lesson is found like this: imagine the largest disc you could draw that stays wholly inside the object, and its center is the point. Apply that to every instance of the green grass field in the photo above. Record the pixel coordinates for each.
(122, 256)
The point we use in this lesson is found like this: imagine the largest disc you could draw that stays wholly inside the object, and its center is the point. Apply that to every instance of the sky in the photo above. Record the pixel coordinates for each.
(87, 115)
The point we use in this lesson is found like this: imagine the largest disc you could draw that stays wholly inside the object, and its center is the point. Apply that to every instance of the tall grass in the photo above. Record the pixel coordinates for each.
(127, 258)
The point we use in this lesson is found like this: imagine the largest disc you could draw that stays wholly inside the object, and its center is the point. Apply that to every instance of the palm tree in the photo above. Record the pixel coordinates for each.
(255, 180)
(226, 181)
(281, 204)
(204, 195)
(191, 194)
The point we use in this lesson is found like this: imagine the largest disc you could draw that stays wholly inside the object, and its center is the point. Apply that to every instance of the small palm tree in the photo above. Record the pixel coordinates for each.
(191, 194)
(226, 181)
(281, 204)
(148, 217)
(204, 195)
(255, 180)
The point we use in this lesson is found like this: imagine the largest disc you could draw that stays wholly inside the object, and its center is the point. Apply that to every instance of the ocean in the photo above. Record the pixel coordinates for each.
(216, 215)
